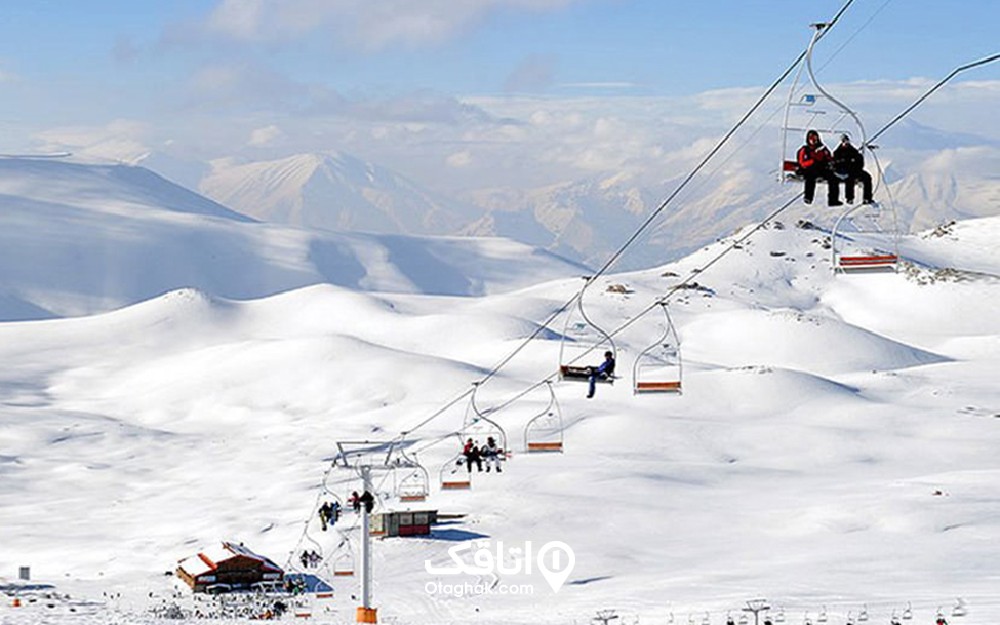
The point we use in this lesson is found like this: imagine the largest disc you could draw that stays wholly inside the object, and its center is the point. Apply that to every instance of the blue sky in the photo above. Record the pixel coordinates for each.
(127, 49)
(210, 63)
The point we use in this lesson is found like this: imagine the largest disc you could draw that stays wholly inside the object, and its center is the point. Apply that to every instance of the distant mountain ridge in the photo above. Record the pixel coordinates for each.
(933, 177)
(78, 239)
(334, 191)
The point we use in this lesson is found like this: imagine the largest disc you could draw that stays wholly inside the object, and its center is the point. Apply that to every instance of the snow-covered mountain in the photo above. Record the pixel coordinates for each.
(932, 177)
(834, 448)
(333, 191)
(589, 219)
(78, 239)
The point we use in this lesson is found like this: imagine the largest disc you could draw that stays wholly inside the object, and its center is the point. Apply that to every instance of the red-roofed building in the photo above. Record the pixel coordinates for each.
(228, 566)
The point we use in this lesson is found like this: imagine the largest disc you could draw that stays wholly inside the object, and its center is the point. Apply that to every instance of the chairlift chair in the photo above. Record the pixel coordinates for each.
(544, 432)
(451, 474)
(657, 369)
(478, 426)
(865, 238)
(343, 560)
(908, 612)
(811, 107)
(582, 338)
(414, 485)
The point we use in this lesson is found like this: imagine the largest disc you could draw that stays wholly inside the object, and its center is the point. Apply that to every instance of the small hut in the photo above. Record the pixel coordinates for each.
(228, 566)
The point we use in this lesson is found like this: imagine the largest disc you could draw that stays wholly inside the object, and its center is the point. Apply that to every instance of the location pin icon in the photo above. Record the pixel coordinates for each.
(555, 568)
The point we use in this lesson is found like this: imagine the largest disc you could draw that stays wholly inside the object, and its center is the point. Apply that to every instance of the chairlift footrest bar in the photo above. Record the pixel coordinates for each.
(658, 387)
(545, 447)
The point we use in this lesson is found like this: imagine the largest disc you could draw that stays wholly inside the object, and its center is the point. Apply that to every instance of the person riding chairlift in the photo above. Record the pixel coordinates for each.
(492, 453)
(849, 166)
(814, 162)
(604, 371)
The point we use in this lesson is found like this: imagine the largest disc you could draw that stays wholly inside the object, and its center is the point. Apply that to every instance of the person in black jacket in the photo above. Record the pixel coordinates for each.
(849, 165)
(814, 163)
(368, 500)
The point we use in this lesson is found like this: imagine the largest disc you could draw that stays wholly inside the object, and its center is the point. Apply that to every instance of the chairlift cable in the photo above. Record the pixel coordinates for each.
(856, 32)
(940, 83)
(628, 243)
(668, 295)
(829, 96)
(663, 205)
(697, 271)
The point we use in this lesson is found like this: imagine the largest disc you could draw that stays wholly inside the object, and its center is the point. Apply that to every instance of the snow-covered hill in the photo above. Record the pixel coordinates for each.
(834, 448)
(78, 239)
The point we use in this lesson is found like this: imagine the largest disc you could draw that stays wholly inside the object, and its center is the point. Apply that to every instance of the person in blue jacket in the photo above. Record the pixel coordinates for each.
(604, 371)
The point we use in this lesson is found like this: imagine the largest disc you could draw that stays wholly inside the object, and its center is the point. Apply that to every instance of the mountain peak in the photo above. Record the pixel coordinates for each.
(334, 191)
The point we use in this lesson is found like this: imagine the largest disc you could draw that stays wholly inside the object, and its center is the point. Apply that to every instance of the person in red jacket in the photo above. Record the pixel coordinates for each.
(473, 455)
(815, 163)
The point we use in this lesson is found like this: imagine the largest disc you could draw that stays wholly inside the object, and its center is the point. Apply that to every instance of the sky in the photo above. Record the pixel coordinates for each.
(211, 77)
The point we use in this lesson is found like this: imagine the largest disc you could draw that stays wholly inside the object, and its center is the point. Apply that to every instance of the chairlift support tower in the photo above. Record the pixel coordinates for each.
(366, 613)
(756, 606)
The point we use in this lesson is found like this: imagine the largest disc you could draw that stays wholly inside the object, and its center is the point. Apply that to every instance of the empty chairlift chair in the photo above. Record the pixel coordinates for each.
(412, 482)
(865, 239)
(658, 368)
(414, 485)
(342, 562)
(544, 432)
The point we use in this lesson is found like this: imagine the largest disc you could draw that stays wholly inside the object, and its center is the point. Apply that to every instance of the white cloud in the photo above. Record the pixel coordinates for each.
(459, 159)
(122, 140)
(267, 135)
(361, 23)
(245, 86)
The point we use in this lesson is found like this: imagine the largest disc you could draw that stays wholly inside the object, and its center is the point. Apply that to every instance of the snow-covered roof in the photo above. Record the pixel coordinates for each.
(208, 559)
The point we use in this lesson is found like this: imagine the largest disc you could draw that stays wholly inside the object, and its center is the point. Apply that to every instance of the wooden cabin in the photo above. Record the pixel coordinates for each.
(228, 566)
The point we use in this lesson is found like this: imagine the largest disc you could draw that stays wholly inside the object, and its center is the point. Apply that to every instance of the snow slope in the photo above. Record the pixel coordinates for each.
(835, 444)
(78, 239)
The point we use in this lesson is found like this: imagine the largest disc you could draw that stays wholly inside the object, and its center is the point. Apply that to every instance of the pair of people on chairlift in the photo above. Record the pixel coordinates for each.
(846, 164)
(490, 452)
